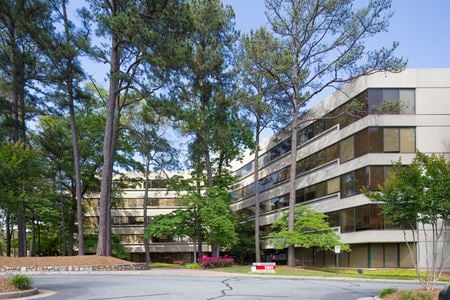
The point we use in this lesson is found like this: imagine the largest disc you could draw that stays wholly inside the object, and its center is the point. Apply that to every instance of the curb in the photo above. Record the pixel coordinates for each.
(19, 294)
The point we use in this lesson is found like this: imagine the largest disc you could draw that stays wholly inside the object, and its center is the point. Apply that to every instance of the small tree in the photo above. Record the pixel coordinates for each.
(418, 196)
(311, 229)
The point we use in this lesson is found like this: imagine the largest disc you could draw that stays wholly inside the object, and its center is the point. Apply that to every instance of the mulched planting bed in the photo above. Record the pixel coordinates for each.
(6, 287)
(61, 261)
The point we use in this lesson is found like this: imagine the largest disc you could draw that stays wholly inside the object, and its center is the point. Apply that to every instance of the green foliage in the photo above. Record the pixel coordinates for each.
(387, 291)
(191, 266)
(415, 295)
(310, 230)
(21, 282)
(420, 191)
(211, 210)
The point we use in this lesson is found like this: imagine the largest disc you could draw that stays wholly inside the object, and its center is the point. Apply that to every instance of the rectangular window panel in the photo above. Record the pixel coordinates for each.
(361, 179)
(333, 185)
(347, 149)
(375, 100)
(361, 143)
(332, 118)
(390, 256)
(407, 101)
(407, 140)
(310, 193)
(376, 217)
(391, 140)
(391, 101)
(388, 171)
(347, 220)
(300, 196)
(375, 140)
(362, 215)
(376, 178)
(332, 152)
(321, 189)
(376, 255)
(348, 185)
(346, 117)
(334, 219)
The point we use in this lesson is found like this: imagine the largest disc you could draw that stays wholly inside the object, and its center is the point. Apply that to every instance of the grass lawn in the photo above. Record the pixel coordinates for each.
(331, 272)
(164, 265)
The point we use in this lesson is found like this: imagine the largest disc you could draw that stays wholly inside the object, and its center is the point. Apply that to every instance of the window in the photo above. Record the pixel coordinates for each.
(348, 220)
(362, 216)
(407, 101)
(391, 140)
(376, 178)
(361, 143)
(333, 185)
(347, 149)
(391, 101)
(348, 185)
(375, 140)
(332, 152)
(376, 217)
(361, 177)
(321, 189)
(375, 100)
(300, 196)
(310, 193)
(334, 219)
(407, 140)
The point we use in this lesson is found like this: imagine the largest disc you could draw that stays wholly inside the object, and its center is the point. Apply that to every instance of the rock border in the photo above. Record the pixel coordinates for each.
(78, 268)
(19, 294)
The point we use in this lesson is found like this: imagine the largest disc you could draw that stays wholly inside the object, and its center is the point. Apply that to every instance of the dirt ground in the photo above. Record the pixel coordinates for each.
(5, 286)
(60, 261)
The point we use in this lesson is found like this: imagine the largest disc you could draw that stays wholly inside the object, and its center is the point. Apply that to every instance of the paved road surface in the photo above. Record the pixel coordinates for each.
(185, 284)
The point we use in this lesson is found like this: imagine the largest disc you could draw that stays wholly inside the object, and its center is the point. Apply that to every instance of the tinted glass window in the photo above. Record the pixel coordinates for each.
(391, 140)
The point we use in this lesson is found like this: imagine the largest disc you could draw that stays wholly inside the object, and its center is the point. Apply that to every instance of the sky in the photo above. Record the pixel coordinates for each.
(421, 27)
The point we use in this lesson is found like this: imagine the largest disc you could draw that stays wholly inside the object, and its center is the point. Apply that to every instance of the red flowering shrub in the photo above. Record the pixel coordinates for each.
(208, 262)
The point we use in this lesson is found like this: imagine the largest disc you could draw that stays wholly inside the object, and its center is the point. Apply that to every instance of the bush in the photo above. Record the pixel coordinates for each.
(207, 262)
(415, 295)
(191, 266)
(387, 291)
(21, 282)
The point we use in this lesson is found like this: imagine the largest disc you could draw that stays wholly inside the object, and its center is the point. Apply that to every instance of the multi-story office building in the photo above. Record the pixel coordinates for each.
(341, 152)
(128, 218)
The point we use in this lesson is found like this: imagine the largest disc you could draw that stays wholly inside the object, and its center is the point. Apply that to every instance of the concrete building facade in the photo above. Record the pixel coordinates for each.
(391, 116)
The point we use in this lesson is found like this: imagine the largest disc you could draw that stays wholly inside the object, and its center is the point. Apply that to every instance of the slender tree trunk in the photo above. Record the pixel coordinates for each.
(146, 245)
(103, 247)
(8, 232)
(21, 231)
(71, 221)
(33, 238)
(256, 179)
(291, 214)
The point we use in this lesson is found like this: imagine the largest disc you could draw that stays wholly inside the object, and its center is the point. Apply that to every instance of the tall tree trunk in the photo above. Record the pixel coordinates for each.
(33, 238)
(103, 247)
(256, 179)
(291, 214)
(73, 129)
(21, 231)
(18, 114)
(71, 221)
(198, 225)
(8, 232)
(146, 245)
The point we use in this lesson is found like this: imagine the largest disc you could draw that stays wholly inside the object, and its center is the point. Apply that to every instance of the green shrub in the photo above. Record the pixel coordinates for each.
(387, 291)
(415, 295)
(191, 266)
(21, 282)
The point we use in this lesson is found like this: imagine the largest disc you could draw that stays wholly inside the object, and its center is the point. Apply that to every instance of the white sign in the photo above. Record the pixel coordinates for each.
(337, 249)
